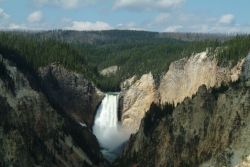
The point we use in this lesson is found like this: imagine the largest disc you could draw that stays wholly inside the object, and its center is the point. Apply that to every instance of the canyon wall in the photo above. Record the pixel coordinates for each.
(185, 76)
(136, 100)
(211, 128)
(71, 91)
(182, 80)
(34, 131)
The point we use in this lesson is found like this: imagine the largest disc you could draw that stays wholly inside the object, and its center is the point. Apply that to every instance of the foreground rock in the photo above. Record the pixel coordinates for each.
(209, 129)
(182, 80)
(75, 94)
(33, 130)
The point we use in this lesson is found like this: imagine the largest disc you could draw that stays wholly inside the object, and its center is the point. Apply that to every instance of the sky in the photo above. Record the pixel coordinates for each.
(205, 16)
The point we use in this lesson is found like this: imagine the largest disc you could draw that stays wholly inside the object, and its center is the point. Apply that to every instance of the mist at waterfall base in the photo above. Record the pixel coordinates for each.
(107, 128)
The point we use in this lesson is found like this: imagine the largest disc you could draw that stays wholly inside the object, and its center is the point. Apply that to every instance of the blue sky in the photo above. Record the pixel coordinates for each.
(224, 16)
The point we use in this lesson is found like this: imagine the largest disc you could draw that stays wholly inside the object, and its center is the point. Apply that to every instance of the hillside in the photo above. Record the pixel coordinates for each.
(36, 130)
(134, 52)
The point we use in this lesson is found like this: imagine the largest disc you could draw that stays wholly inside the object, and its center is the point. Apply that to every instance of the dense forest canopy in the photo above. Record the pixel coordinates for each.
(135, 52)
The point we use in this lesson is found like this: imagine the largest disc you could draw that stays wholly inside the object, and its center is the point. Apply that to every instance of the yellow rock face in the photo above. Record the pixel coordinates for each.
(137, 100)
(182, 80)
(186, 75)
(245, 163)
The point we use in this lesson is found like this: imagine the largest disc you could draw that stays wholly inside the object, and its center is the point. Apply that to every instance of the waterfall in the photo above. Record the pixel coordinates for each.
(107, 127)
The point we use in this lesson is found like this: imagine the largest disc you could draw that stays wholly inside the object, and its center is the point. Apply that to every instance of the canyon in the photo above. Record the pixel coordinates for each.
(124, 83)
(195, 115)
(37, 128)
(209, 128)
(182, 80)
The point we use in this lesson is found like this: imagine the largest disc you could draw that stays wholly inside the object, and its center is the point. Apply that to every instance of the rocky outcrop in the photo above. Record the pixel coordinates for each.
(71, 91)
(245, 162)
(127, 83)
(182, 80)
(185, 76)
(109, 71)
(209, 129)
(136, 100)
(33, 132)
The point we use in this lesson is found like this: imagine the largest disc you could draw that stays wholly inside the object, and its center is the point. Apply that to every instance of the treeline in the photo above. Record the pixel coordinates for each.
(233, 50)
(42, 52)
(140, 56)
(135, 53)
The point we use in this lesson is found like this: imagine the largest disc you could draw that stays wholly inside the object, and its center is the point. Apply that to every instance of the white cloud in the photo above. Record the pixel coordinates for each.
(35, 17)
(176, 21)
(174, 28)
(14, 26)
(147, 4)
(128, 26)
(202, 23)
(88, 26)
(163, 17)
(68, 4)
(3, 14)
(227, 19)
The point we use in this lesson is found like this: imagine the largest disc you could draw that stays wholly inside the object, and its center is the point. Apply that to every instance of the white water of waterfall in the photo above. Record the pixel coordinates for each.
(107, 128)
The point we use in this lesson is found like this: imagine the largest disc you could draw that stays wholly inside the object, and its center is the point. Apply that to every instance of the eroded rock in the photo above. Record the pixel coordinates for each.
(136, 101)
(34, 131)
(72, 91)
(211, 129)
(185, 76)
(109, 71)
(182, 80)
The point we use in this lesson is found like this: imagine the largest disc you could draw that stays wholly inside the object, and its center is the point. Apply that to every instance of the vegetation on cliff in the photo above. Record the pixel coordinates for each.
(34, 130)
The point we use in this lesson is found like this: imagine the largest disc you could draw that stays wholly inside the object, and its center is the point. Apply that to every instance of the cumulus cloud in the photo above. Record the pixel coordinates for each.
(68, 4)
(147, 4)
(176, 21)
(35, 17)
(3, 14)
(227, 19)
(14, 26)
(88, 26)
(174, 28)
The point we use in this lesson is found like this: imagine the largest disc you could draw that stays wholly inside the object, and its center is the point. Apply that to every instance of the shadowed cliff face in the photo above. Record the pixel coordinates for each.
(246, 70)
(209, 129)
(33, 130)
(182, 80)
(76, 95)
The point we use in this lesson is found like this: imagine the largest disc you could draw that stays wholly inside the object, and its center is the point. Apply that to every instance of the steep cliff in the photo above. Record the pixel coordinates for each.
(182, 80)
(33, 130)
(136, 100)
(70, 90)
(185, 76)
(209, 129)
